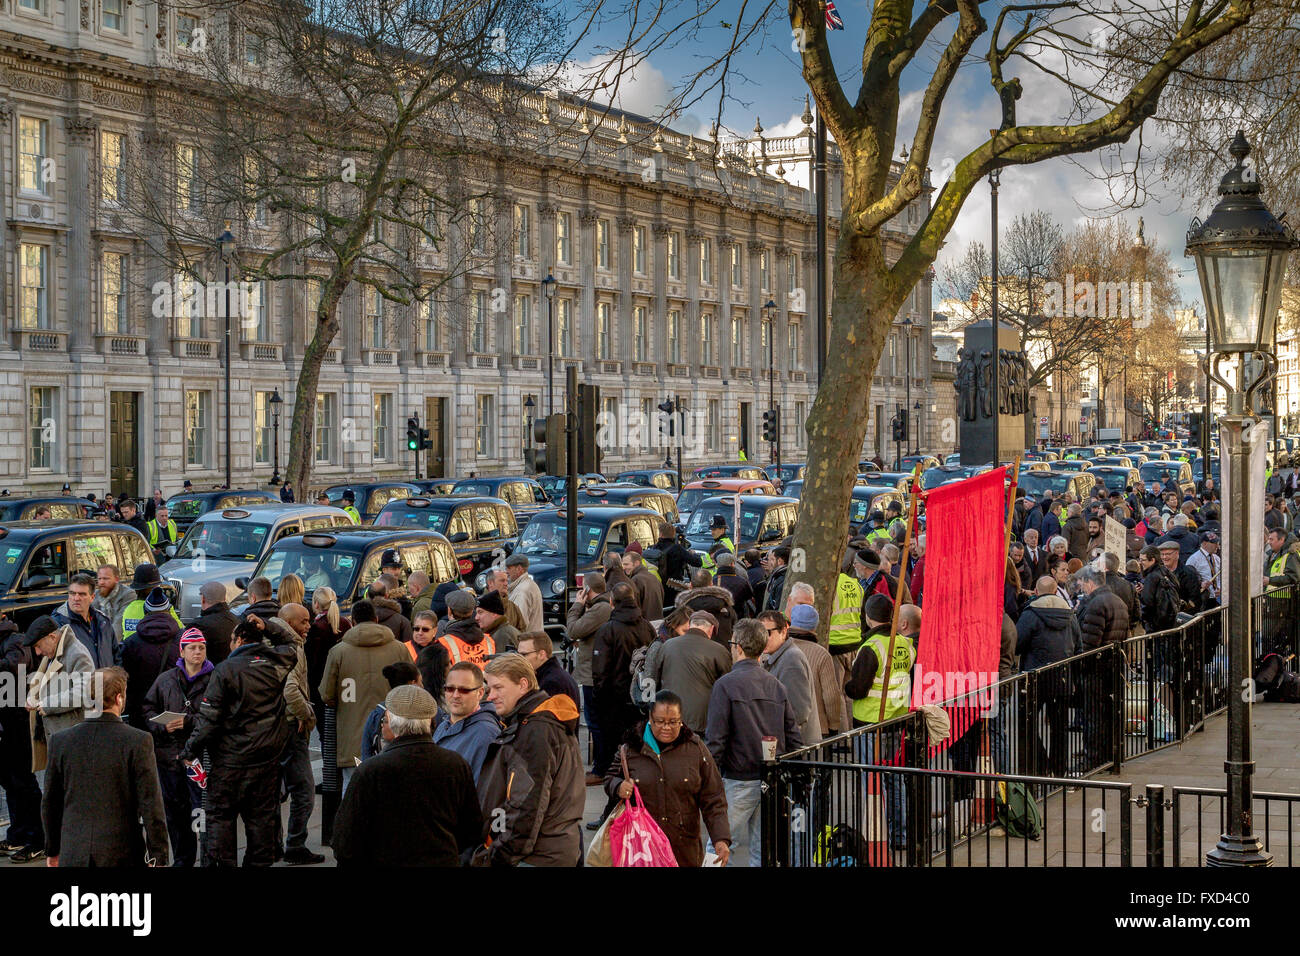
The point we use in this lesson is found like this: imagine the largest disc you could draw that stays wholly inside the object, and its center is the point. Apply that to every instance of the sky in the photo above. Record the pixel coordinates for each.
(765, 83)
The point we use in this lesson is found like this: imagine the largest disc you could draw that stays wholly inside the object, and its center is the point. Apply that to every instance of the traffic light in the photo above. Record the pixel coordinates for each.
(425, 441)
(1195, 424)
(896, 423)
(903, 413)
(588, 448)
(549, 457)
(771, 425)
(668, 408)
(413, 433)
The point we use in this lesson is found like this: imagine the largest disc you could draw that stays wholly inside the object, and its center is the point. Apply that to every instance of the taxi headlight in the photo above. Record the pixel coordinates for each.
(557, 586)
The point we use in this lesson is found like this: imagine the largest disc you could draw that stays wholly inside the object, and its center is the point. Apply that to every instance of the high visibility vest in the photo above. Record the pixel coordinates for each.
(652, 569)
(353, 513)
(867, 709)
(881, 534)
(1278, 567)
(153, 531)
(459, 651)
(846, 624)
(134, 612)
(724, 542)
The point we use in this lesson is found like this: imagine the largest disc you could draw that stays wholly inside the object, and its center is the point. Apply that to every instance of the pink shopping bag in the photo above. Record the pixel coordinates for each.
(636, 839)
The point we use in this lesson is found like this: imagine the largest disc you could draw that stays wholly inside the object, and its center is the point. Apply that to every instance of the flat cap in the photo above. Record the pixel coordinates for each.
(461, 602)
(411, 702)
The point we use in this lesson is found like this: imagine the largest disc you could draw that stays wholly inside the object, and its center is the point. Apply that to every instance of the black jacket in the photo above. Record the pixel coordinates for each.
(738, 584)
(717, 601)
(101, 780)
(241, 720)
(772, 590)
(676, 560)
(412, 804)
(532, 788)
(1152, 582)
(389, 613)
(1103, 619)
(146, 654)
(217, 624)
(174, 691)
(264, 609)
(554, 679)
(1124, 591)
(611, 655)
(1187, 541)
(1046, 632)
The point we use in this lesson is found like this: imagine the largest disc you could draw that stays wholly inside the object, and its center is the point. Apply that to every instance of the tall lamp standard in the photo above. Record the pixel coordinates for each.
(1241, 252)
(907, 376)
(226, 248)
(275, 402)
(548, 290)
(769, 308)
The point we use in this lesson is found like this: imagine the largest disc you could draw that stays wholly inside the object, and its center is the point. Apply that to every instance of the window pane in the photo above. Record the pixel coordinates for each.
(113, 300)
(112, 167)
(382, 411)
(33, 142)
(33, 313)
(324, 427)
(41, 427)
(523, 325)
(196, 427)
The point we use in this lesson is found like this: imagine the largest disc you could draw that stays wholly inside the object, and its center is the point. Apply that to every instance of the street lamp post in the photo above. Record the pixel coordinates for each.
(529, 405)
(226, 248)
(907, 377)
(1241, 252)
(275, 402)
(775, 450)
(548, 290)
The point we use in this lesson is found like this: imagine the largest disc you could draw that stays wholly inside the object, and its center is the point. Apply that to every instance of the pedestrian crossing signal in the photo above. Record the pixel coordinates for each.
(413, 434)
(771, 425)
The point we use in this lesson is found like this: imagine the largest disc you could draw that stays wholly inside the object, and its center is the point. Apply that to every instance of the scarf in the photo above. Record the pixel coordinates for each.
(649, 739)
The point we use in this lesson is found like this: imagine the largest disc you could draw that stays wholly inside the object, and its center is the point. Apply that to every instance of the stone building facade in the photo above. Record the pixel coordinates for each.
(661, 287)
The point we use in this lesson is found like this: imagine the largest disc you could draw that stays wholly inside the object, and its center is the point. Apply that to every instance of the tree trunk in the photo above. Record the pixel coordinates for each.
(302, 444)
(865, 303)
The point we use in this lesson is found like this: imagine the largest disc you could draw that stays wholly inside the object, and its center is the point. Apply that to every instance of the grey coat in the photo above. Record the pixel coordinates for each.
(581, 624)
(789, 665)
(115, 603)
(64, 696)
(688, 665)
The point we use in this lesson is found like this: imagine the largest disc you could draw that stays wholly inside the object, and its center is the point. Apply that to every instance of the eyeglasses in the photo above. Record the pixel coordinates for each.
(450, 689)
(675, 722)
(734, 643)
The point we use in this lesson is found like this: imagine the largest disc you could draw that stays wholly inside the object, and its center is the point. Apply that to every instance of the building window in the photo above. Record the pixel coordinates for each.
(893, 354)
(33, 149)
(715, 424)
(375, 318)
(197, 422)
(706, 261)
(563, 237)
(706, 339)
(737, 267)
(612, 417)
(432, 327)
(41, 428)
(799, 437)
(187, 198)
(523, 235)
(650, 434)
(112, 167)
(564, 326)
(602, 244)
(254, 50)
(792, 348)
(603, 333)
(523, 325)
(674, 255)
(485, 423)
(262, 432)
(185, 38)
(639, 333)
(257, 311)
(326, 412)
(383, 419)
(791, 273)
(32, 6)
(737, 341)
(34, 311)
(479, 335)
(765, 270)
(113, 15)
(476, 210)
(638, 250)
(113, 298)
(189, 307)
(674, 336)
(429, 231)
(254, 190)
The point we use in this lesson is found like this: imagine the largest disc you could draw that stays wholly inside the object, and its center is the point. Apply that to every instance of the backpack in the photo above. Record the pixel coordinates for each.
(841, 845)
(643, 687)
(1167, 603)
(660, 561)
(1017, 810)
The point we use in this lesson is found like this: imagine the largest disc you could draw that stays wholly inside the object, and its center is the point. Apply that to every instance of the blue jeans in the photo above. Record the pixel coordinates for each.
(744, 817)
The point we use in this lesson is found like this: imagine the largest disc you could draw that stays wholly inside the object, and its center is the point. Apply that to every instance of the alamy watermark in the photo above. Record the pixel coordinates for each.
(1099, 300)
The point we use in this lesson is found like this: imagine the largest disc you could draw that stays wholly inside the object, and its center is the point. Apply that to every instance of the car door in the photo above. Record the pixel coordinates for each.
(92, 550)
(488, 538)
(49, 559)
(460, 529)
(641, 528)
(415, 557)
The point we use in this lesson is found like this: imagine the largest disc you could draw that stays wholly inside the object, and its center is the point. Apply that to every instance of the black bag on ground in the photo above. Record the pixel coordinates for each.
(1274, 681)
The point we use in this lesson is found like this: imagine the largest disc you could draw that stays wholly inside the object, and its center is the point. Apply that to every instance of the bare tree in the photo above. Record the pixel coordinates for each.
(352, 146)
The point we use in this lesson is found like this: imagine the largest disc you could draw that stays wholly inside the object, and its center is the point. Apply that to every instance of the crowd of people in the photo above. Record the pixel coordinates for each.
(449, 728)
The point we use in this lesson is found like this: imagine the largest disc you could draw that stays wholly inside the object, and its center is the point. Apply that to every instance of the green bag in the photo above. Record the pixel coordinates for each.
(1017, 810)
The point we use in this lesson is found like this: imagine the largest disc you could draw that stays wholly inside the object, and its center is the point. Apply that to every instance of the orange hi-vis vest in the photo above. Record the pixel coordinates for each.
(459, 650)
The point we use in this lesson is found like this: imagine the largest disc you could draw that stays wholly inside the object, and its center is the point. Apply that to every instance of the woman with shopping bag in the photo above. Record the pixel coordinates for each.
(665, 773)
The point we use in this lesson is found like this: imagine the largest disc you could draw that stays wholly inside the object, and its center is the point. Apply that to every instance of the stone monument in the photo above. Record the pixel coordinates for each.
(992, 396)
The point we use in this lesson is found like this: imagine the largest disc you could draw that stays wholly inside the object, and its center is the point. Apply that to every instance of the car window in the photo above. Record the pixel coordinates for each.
(640, 529)
(617, 538)
(462, 522)
(485, 523)
(92, 550)
(415, 557)
(382, 496)
(369, 569)
(341, 521)
(443, 562)
(662, 481)
(60, 509)
(318, 521)
(506, 521)
(286, 530)
(539, 494)
(135, 550)
(50, 559)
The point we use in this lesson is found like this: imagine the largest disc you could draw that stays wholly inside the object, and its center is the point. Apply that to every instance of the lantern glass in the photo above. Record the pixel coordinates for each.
(1241, 289)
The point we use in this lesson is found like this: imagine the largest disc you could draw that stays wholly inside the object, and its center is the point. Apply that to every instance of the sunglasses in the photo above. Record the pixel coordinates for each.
(459, 690)
(424, 628)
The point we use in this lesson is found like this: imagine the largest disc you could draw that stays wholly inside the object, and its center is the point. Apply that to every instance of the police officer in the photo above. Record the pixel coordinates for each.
(721, 542)
(349, 505)
(161, 530)
(146, 578)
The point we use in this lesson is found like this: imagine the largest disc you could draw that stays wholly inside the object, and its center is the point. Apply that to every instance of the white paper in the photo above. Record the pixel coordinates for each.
(166, 717)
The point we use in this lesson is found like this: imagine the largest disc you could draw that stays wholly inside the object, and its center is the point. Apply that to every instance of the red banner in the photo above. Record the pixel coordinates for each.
(965, 565)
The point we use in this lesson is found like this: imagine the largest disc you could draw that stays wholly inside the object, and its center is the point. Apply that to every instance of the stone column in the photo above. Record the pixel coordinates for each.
(691, 320)
(659, 349)
(722, 320)
(81, 314)
(584, 252)
(6, 113)
(626, 330)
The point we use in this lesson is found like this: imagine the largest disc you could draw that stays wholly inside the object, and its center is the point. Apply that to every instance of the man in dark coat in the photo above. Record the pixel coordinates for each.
(676, 560)
(777, 561)
(649, 589)
(1103, 619)
(1047, 630)
(737, 583)
(413, 803)
(216, 620)
(611, 659)
(153, 647)
(1180, 534)
(243, 725)
(101, 781)
(531, 787)
(25, 839)
(706, 596)
(1075, 532)
(1155, 613)
(537, 648)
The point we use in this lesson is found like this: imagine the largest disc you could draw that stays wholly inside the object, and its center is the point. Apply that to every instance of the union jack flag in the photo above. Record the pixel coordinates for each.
(196, 773)
(833, 21)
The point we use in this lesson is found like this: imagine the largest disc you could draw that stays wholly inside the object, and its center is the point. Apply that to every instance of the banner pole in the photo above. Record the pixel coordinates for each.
(1011, 508)
(898, 595)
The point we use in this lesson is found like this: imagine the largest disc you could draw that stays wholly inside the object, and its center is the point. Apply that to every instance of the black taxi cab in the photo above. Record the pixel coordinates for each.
(186, 507)
(481, 530)
(628, 496)
(369, 498)
(764, 521)
(61, 507)
(522, 493)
